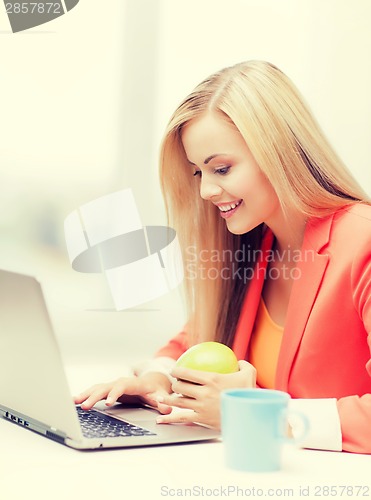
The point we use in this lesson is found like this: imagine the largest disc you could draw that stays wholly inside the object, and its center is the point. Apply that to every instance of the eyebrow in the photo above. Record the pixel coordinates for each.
(211, 157)
(208, 159)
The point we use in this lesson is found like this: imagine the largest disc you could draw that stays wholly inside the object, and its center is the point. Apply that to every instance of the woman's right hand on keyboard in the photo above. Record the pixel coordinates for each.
(145, 389)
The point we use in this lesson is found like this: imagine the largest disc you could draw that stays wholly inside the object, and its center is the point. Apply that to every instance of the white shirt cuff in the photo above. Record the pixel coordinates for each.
(162, 364)
(324, 431)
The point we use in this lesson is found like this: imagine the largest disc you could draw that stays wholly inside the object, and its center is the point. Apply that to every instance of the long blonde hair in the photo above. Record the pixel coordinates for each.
(290, 149)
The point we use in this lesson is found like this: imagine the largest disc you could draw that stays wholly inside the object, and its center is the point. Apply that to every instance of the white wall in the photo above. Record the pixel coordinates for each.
(76, 123)
(84, 101)
(323, 45)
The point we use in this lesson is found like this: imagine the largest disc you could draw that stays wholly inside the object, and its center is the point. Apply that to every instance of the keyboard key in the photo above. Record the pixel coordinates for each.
(97, 425)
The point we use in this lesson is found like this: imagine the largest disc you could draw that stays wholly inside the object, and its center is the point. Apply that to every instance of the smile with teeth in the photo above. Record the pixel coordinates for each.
(227, 208)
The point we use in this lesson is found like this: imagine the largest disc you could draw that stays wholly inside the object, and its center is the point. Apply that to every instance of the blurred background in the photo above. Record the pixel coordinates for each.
(83, 104)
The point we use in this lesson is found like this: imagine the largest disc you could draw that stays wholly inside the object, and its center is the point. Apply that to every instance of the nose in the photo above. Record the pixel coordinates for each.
(209, 188)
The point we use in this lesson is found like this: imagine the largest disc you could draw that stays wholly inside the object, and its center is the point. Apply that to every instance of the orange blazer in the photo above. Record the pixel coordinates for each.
(325, 350)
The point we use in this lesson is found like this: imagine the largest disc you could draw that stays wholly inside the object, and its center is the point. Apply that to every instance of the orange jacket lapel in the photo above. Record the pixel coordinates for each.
(310, 271)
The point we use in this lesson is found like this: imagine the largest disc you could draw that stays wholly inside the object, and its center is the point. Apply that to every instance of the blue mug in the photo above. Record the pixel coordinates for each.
(254, 425)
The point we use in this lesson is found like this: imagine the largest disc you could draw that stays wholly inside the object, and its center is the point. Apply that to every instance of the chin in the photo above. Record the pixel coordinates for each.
(239, 229)
(236, 230)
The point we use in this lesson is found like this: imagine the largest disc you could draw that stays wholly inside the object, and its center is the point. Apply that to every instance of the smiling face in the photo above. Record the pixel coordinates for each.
(229, 176)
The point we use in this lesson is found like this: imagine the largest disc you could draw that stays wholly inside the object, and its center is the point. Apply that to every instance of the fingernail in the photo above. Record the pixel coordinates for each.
(109, 401)
(159, 420)
(160, 399)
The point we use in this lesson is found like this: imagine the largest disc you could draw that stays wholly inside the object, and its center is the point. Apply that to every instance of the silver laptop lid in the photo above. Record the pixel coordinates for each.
(32, 377)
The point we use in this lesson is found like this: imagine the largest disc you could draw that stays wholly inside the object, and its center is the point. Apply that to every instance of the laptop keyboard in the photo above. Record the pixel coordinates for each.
(97, 425)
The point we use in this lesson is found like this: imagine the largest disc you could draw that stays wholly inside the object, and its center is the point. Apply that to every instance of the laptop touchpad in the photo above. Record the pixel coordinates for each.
(138, 414)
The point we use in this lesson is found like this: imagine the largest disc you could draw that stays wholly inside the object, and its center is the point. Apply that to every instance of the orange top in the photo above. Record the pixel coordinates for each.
(264, 347)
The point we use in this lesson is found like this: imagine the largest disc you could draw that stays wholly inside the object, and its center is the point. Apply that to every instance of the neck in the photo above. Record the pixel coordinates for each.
(288, 231)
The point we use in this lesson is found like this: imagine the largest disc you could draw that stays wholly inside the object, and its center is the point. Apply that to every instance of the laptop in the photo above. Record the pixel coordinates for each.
(34, 390)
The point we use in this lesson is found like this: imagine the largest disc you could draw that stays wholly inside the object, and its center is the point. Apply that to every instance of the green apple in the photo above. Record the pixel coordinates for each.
(209, 357)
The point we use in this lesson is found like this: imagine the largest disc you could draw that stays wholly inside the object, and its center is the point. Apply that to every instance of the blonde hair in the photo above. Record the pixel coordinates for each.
(290, 149)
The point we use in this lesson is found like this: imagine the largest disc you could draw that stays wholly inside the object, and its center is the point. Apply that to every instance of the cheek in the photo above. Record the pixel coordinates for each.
(256, 187)
(260, 197)
(266, 190)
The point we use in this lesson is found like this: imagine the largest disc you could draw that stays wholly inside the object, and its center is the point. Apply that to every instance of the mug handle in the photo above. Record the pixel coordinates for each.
(285, 419)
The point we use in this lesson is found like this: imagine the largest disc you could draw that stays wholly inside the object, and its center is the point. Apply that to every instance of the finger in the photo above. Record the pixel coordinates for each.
(131, 387)
(179, 402)
(194, 376)
(131, 390)
(245, 365)
(181, 417)
(187, 389)
(249, 370)
(151, 398)
(79, 398)
(164, 409)
(93, 399)
(121, 387)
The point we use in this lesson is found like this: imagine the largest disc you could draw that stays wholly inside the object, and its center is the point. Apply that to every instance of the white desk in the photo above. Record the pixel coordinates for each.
(33, 467)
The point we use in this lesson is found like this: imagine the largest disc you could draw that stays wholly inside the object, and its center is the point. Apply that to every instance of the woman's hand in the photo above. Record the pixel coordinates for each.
(145, 389)
(198, 394)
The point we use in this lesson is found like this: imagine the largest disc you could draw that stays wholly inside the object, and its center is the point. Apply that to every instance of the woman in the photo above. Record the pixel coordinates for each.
(277, 256)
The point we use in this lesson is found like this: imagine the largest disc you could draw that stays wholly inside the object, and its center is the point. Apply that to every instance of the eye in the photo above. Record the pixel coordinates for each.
(197, 172)
(222, 171)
